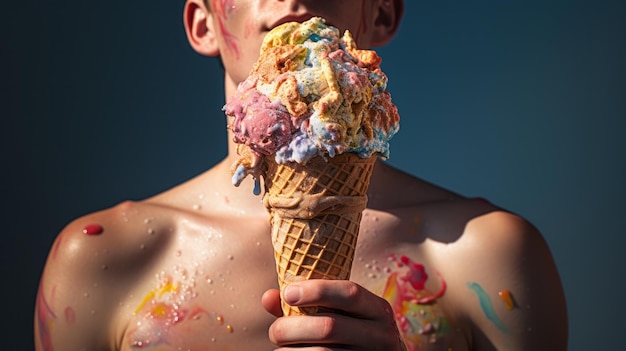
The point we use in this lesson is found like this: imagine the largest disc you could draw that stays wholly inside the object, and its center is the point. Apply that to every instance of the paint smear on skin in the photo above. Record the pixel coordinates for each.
(223, 9)
(70, 315)
(420, 319)
(93, 229)
(45, 319)
(167, 316)
(487, 306)
(506, 296)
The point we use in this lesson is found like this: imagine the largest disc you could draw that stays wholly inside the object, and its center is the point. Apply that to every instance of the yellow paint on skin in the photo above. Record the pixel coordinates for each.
(169, 287)
(159, 311)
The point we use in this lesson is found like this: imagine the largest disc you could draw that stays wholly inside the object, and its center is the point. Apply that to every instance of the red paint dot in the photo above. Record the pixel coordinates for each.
(70, 315)
(93, 229)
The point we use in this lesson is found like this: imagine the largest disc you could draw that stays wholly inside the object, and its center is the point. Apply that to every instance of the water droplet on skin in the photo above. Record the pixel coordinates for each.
(142, 246)
(151, 231)
(231, 257)
(213, 340)
(219, 319)
(229, 328)
(147, 220)
(86, 294)
(104, 267)
(197, 207)
(258, 243)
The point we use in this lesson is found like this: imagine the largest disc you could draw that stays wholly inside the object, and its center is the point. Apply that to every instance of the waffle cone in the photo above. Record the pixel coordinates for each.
(315, 214)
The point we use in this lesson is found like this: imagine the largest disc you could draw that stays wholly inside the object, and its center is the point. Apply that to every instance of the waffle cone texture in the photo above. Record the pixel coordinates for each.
(315, 215)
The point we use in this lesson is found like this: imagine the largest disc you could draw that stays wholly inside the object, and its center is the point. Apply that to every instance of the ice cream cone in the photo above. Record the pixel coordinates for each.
(315, 213)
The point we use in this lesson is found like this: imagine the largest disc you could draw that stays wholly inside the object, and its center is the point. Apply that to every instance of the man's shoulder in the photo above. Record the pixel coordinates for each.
(91, 265)
(112, 236)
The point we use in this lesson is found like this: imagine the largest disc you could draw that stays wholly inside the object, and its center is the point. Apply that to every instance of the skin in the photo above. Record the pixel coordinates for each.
(192, 268)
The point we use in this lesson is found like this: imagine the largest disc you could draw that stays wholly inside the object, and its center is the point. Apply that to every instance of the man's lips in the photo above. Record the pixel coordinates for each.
(291, 18)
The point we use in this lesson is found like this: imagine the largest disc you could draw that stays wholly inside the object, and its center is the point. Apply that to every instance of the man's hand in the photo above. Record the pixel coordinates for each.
(353, 318)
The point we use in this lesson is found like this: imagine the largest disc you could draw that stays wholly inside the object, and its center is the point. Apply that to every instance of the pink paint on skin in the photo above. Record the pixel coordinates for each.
(420, 319)
(416, 277)
(167, 315)
(248, 28)
(223, 9)
(93, 229)
(45, 319)
(70, 315)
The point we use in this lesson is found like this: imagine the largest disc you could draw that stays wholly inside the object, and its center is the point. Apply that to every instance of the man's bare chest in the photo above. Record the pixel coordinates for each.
(204, 293)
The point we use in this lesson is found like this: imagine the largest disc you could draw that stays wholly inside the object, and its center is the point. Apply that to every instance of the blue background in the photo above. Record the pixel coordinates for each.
(520, 102)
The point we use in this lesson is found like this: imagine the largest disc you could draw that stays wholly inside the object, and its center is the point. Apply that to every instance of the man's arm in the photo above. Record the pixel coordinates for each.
(514, 293)
(71, 309)
(85, 278)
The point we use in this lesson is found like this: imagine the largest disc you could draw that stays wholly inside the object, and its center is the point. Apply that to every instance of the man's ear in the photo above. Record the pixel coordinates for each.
(199, 28)
(387, 20)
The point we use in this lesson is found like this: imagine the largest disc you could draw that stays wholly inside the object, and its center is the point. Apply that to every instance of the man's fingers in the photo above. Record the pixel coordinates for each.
(324, 330)
(350, 317)
(342, 295)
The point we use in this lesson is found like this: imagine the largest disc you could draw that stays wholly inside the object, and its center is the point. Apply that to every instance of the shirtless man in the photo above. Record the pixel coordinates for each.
(193, 268)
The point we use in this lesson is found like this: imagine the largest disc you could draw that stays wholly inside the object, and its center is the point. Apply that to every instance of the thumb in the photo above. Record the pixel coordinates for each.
(271, 302)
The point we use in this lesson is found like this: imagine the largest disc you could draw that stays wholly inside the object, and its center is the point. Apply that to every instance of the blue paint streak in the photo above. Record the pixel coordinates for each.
(487, 306)
(257, 187)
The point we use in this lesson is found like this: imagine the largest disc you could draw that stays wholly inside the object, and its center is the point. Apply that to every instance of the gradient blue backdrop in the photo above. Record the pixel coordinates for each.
(521, 102)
